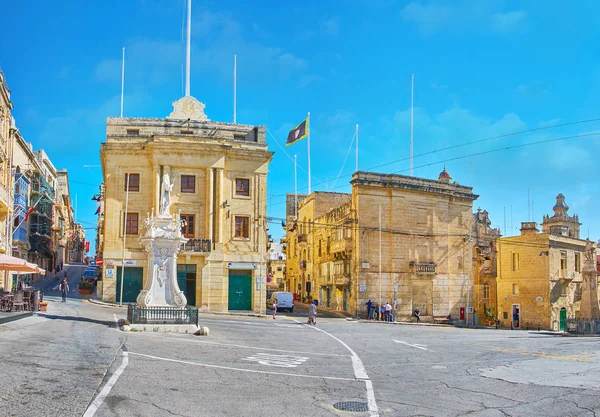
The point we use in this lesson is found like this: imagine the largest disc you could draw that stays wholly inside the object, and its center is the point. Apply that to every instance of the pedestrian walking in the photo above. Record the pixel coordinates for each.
(369, 305)
(312, 314)
(417, 315)
(64, 289)
(274, 308)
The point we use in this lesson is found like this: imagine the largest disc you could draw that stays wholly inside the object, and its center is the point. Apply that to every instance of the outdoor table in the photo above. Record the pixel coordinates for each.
(7, 301)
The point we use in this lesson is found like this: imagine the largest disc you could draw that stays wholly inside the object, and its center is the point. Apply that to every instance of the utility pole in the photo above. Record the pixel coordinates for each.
(380, 258)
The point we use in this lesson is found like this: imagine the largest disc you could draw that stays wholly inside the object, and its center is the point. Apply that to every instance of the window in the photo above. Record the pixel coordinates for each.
(421, 216)
(239, 137)
(515, 288)
(134, 182)
(133, 132)
(328, 245)
(486, 291)
(563, 260)
(515, 262)
(319, 247)
(577, 262)
(242, 187)
(131, 228)
(188, 227)
(188, 183)
(242, 227)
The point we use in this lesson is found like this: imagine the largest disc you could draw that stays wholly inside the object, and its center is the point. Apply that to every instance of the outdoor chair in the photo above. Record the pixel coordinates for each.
(18, 301)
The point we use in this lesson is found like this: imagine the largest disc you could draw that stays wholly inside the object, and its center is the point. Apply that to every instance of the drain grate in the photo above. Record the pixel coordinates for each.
(354, 406)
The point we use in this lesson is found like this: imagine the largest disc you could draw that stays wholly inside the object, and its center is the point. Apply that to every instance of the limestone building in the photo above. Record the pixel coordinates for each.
(485, 268)
(219, 172)
(276, 266)
(334, 246)
(540, 274)
(7, 130)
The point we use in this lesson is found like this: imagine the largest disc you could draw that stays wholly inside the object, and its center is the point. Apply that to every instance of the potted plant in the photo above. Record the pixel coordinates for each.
(85, 287)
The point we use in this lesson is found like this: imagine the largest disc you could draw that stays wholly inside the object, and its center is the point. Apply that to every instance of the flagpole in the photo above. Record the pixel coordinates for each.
(124, 239)
(295, 190)
(188, 48)
(412, 111)
(122, 81)
(356, 147)
(308, 129)
(234, 85)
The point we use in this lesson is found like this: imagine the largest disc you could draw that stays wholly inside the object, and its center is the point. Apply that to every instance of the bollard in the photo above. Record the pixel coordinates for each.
(538, 326)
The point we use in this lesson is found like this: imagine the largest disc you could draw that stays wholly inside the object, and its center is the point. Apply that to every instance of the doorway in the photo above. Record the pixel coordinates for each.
(186, 280)
(516, 316)
(132, 285)
(346, 293)
(563, 319)
(240, 290)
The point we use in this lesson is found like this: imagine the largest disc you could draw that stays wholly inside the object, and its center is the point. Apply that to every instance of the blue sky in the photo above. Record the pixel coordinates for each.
(482, 69)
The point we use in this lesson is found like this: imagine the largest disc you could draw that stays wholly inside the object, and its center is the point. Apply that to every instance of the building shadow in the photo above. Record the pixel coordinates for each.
(107, 323)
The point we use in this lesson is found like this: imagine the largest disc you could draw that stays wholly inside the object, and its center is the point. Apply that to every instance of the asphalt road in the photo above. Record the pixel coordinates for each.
(56, 364)
(49, 283)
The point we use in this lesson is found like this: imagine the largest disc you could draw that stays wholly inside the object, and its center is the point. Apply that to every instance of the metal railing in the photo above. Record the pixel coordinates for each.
(197, 245)
(162, 315)
(423, 267)
(583, 326)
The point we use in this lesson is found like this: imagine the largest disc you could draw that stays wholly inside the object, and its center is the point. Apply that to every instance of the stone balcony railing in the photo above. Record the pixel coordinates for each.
(197, 246)
(341, 280)
(423, 268)
(341, 245)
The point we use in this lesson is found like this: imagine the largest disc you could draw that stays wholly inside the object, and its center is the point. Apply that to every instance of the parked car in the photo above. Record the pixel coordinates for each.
(89, 274)
(285, 301)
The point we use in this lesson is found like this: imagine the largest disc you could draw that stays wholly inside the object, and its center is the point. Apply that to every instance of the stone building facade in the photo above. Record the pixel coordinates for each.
(333, 248)
(7, 131)
(485, 267)
(219, 171)
(540, 274)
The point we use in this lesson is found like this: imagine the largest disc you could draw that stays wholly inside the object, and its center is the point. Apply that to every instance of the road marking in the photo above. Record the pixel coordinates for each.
(254, 371)
(283, 361)
(359, 372)
(180, 339)
(91, 410)
(415, 345)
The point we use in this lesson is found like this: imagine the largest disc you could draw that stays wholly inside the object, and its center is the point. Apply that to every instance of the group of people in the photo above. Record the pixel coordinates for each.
(384, 312)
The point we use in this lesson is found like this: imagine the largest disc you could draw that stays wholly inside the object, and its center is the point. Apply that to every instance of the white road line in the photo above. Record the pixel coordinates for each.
(238, 346)
(91, 410)
(415, 345)
(206, 365)
(360, 373)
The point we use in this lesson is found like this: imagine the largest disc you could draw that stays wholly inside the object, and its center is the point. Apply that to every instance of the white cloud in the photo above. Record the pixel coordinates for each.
(534, 90)
(330, 26)
(462, 16)
(509, 22)
(307, 79)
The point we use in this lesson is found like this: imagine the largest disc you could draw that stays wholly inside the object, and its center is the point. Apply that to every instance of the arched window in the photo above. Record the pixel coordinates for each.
(486, 291)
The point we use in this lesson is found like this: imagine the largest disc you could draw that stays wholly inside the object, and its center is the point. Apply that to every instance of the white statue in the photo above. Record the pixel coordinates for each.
(165, 200)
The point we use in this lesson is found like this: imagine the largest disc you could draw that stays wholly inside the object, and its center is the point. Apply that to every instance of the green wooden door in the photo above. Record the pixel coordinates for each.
(186, 280)
(240, 290)
(131, 286)
(563, 319)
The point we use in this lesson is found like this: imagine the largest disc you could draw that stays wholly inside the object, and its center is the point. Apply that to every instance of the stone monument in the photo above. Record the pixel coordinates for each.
(589, 290)
(162, 239)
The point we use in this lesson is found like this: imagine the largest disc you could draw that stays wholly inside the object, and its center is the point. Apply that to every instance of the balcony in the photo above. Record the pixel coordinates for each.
(423, 268)
(342, 245)
(20, 234)
(341, 280)
(197, 246)
(4, 201)
(21, 201)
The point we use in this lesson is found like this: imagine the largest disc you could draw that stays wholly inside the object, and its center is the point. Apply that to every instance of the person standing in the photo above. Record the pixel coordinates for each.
(312, 314)
(369, 305)
(388, 312)
(417, 315)
(64, 289)
(274, 308)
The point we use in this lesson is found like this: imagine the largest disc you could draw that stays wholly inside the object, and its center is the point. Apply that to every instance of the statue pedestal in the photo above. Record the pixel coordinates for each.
(162, 240)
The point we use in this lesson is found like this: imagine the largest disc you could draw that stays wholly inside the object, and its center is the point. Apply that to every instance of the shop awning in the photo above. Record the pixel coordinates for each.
(10, 263)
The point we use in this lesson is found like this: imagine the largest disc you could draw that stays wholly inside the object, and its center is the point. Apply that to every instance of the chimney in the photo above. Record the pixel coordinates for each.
(529, 228)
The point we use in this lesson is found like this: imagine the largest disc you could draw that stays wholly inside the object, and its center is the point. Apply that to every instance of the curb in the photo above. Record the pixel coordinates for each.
(103, 303)
(8, 319)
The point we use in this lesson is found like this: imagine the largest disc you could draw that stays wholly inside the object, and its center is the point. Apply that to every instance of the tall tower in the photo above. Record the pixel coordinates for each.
(589, 309)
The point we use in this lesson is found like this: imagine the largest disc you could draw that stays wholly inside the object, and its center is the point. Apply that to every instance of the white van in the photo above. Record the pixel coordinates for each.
(285, 301)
